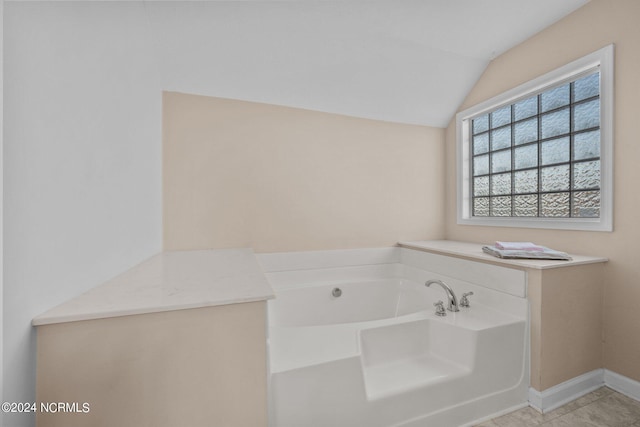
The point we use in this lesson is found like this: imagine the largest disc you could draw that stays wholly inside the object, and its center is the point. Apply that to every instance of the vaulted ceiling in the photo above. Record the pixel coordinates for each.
(408, 61)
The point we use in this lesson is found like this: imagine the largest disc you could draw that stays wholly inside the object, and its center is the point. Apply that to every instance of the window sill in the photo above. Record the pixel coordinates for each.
(583, 224)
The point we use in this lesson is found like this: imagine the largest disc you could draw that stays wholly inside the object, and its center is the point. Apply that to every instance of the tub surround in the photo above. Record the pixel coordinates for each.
(173, 280)
(195, 367)
(178, 340)
(199, 317)
(566, 317)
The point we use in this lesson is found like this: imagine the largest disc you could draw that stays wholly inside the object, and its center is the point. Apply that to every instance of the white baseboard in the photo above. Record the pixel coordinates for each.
(556, 396)
(622, 384)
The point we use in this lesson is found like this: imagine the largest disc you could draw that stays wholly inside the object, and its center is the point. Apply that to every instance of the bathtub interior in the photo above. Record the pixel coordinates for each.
(359, 301)
(378, 355)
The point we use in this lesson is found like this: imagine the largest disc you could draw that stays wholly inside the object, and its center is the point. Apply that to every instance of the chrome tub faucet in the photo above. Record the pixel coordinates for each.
(453, 301)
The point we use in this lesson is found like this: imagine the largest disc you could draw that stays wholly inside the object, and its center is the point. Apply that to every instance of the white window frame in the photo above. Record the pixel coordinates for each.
(601, 59)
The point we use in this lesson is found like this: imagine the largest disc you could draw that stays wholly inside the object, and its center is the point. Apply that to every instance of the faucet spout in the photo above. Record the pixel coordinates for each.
(453, 301)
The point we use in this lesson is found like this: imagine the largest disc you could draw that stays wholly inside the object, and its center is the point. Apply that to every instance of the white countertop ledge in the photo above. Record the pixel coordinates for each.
(173, 280)
(474, 251)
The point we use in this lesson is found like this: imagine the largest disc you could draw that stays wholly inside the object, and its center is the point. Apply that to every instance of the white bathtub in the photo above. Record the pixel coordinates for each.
(360, 301)
(377, 355)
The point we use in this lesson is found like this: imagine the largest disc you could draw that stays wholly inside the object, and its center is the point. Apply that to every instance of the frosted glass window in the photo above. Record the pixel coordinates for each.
(481, 186)
(481, 206)
(586, 175)
(586, 204)
(556, 123)
(501, 184)
(555, 178)
(501, 138)
(586, 145)
(500, 206)
(526, 181)
(555, 151)
(501, 116)
(526, 205)
(526, 108)
(554, 205)
(586, 115)
(481, 165)
(539, 156)
(526, 157)
(481, 143)
(586, 87)
(481, 124)
(501, 161)
(526, 131)
(554, 98)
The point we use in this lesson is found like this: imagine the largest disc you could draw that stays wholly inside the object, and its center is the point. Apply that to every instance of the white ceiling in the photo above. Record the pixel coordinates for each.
(408, 61)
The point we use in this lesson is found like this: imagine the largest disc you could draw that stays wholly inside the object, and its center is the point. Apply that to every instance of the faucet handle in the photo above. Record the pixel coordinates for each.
(464, 301)
(440, 311)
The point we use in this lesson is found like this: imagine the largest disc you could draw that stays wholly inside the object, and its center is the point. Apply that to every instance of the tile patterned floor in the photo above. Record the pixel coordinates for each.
(600, 408)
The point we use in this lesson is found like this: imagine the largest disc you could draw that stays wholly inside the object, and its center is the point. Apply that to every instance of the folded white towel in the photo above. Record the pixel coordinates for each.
(546, 253)
(519, 246)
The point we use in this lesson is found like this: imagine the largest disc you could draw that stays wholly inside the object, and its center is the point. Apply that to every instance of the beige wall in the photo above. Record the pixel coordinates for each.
(242, 174)
(566, 323)
(197, 368)
(595, 25)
